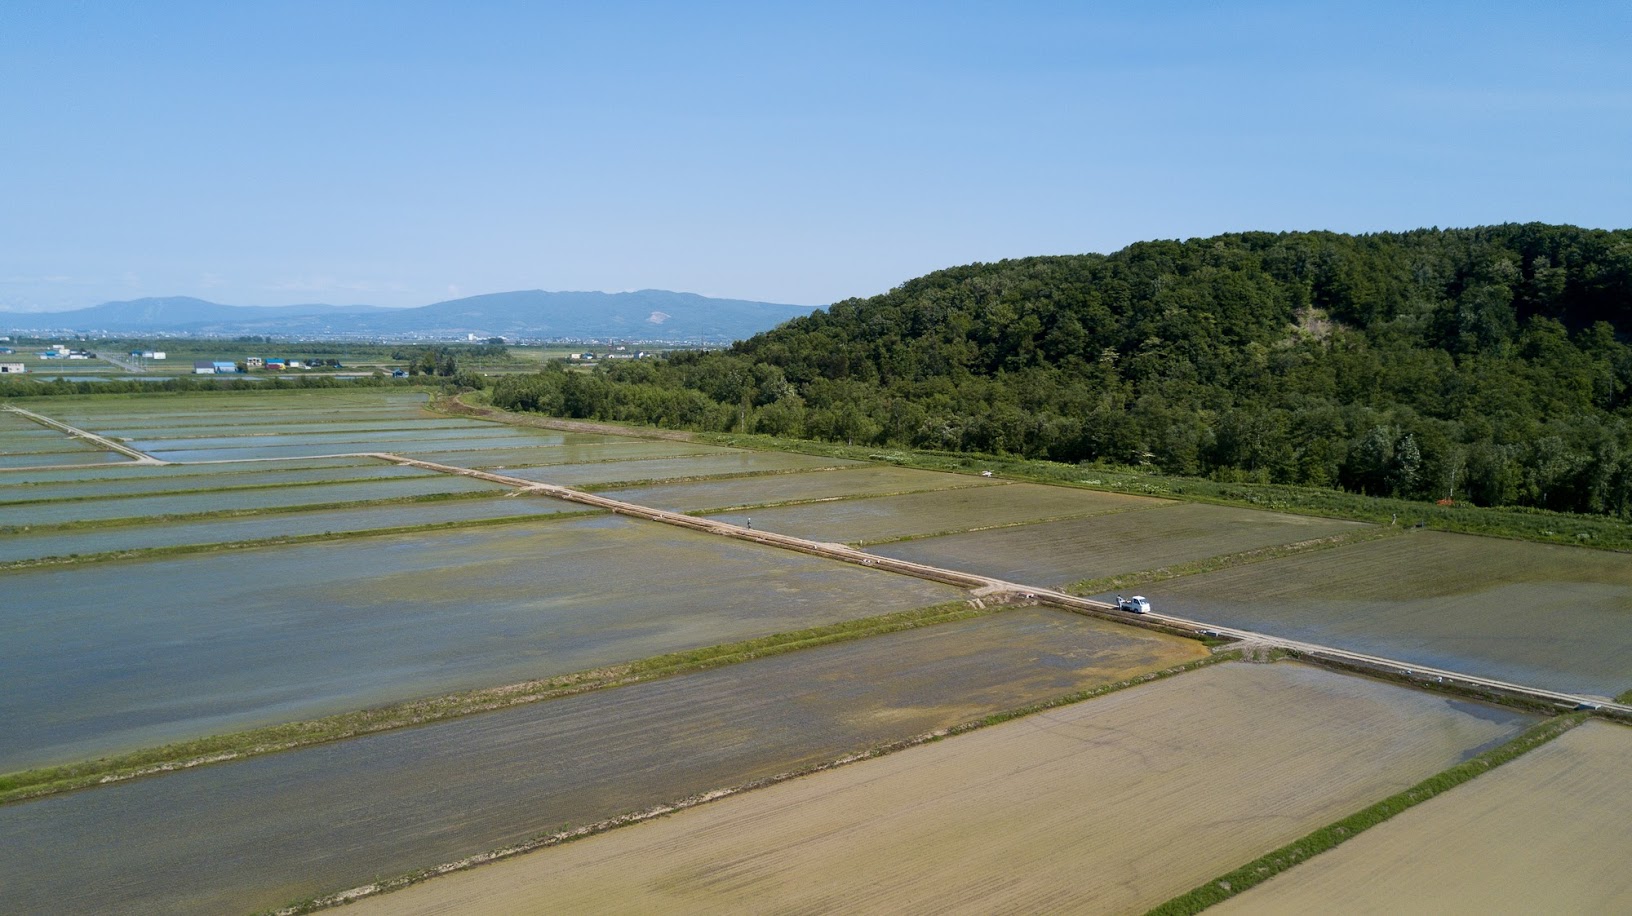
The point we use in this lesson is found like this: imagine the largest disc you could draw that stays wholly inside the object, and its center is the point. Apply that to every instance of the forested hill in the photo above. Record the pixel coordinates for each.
(1493, 361)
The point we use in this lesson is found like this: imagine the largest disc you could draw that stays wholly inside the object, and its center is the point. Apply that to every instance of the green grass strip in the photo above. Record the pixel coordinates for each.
(27, 784)
(1126, 581)
(1262, 869)
(1624, 698)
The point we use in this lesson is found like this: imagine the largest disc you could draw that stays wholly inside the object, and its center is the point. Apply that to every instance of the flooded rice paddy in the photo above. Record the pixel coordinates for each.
(202, 501)
(1108, 806)
(1546, 833)
(720, 463)
(84, 542)
(111, 656)
(177, 483)
(259, 833)
(853, 521)
(1055, 554)
(740, 492)
(1538, 614)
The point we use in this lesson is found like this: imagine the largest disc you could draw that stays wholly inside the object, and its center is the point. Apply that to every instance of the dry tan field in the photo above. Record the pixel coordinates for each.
(1547, 833)
(1111, 805)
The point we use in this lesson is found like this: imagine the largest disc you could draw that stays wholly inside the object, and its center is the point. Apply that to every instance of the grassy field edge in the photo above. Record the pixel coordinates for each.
(1332, 835)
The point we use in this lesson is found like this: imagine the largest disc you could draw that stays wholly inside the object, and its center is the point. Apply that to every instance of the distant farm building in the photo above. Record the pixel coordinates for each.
(12, 368)
(254, 362)
(203, 367)
(224, 366)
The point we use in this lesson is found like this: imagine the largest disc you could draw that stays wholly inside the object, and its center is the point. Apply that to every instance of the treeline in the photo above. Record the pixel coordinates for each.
(1486, 364)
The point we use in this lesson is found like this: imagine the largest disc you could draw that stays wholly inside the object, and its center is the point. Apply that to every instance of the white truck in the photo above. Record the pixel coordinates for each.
(1138, 604)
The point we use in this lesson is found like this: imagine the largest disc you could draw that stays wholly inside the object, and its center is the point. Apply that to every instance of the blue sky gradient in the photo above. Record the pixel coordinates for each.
(402, 153)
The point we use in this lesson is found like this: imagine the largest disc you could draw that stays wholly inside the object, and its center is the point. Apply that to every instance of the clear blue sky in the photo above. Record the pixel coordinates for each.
(401, 153)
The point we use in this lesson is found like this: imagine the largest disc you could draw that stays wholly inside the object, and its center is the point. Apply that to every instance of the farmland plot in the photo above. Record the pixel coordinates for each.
(1537, 614)
(888, 517)
(854, 481)
(1546, 833)
(174, 483)
(86, 455)
(290, 428)
(576, 448)
(118, 655)
(723, 463)
(259, 833)
(1058, 553)
(1112, 805)
(269, 498)
(129, 471)
(84, 542)
(314, 446)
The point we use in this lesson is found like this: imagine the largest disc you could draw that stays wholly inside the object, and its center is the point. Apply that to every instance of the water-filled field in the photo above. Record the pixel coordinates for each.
(132, 471)
(313, 446)
(720, 463)
(290, 428)
(40, 544)
(232, 408)
(189, 503)
(1109, 806)
(257, 834)
(1538, 614)
(1546, 833)
(116, 655)
(575, 448)
(888, 517)
(842, 483)
(1058, 553)
(174, 483)
(79, 456)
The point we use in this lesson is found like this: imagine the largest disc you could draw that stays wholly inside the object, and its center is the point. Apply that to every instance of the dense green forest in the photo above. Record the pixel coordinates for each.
(1486, 364)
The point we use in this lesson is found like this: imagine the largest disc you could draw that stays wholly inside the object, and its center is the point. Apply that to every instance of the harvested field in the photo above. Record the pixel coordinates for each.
(120, 655)
(83, 542)
(1057, 553)
(1538, 614)
(1546, 833)
(722, 463)
(172, 483)
(855, 521)
(1111, 805)
(31, 514)
(260, 833)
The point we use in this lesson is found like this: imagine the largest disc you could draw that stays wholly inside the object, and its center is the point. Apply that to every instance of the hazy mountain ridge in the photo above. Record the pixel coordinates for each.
(648, 314)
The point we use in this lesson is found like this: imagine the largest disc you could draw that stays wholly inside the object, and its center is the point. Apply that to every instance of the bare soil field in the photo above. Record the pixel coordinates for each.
(127, 654)
(1112, 805)
(857, 521)
(1549, 616)
(841, 483)
(1546, 833)
(1058, 553)
(265, 831)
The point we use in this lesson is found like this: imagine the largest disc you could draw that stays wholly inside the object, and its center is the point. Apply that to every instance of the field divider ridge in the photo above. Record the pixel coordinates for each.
(983, 586)
(102, 442)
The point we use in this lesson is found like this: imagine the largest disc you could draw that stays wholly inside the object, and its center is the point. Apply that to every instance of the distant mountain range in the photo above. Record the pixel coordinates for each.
(643, 315)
